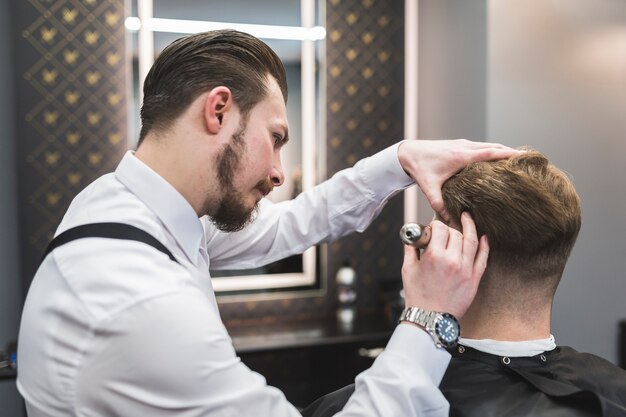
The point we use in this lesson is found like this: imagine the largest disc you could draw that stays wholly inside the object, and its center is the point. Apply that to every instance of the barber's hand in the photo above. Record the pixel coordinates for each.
(446, 276)
(431, 162)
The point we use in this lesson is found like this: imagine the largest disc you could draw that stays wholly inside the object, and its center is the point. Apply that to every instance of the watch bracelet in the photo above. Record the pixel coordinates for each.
(419, 316)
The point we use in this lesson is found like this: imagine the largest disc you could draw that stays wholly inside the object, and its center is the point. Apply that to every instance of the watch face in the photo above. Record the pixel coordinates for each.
(448, 330)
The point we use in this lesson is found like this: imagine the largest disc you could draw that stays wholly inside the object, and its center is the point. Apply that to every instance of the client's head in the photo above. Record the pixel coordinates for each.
(530, 212)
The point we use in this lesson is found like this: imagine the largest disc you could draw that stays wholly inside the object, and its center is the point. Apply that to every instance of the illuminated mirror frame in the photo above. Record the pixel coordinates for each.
(313, 116)
(411, 98)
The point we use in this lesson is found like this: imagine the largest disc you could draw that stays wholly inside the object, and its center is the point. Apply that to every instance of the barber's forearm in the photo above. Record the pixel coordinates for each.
(404, 379)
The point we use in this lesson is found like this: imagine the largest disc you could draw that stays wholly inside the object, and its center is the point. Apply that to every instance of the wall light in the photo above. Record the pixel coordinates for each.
(296, 33)
(132, 24)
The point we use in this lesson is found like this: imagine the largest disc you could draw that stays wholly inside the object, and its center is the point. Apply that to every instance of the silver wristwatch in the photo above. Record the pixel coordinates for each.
(443, 327)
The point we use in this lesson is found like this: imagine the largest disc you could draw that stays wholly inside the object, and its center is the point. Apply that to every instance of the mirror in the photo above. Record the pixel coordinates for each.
(295, 31)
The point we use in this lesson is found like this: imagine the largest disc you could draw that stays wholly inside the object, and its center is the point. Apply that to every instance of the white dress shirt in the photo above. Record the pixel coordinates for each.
(115, 328)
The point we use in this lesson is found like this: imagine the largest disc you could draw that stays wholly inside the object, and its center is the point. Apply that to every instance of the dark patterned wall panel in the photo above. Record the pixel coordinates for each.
(72, 114)
(365, 115)
(365, 79)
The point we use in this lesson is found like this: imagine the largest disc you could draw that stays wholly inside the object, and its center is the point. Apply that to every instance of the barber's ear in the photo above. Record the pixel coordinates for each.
(218, 102)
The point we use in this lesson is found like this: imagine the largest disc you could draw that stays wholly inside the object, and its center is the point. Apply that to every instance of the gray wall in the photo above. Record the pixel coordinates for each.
(452, 69)
(452, 73)
(10, 283)
(557, 81)
(550, 74)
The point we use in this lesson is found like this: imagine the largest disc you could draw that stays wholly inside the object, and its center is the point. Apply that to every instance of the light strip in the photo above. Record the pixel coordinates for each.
(411, 98)
(145, 46)
(308, 133)
(295, 33)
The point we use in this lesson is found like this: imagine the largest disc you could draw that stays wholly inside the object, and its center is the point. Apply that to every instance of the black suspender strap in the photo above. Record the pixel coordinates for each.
(110, 231)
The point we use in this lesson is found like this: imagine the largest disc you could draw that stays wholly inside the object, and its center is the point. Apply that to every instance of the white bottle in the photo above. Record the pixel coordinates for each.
(346, 293)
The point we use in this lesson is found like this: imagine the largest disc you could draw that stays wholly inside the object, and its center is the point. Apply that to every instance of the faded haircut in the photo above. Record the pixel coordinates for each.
(528, 209)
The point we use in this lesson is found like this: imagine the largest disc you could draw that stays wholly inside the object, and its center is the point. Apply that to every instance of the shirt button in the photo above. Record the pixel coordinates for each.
(543, 358)
(506, 360)
(461, 349)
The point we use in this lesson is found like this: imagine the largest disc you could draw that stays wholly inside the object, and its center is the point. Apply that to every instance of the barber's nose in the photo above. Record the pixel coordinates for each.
(277, 175)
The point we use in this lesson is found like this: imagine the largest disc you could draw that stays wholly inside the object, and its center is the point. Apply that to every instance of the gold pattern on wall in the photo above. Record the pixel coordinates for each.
(72, 62)
(365, 95)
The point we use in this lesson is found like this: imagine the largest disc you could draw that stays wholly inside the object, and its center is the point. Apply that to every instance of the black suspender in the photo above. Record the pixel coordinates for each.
(110, 231)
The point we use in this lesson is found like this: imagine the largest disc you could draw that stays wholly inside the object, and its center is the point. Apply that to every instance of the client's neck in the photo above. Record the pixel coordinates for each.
(506, 322)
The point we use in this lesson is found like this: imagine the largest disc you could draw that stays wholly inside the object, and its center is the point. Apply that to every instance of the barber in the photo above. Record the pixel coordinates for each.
(123, 321)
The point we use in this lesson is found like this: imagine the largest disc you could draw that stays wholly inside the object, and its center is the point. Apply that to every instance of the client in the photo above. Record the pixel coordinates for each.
(507, 362)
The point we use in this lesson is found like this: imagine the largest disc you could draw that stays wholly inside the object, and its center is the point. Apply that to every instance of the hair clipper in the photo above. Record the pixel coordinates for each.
(415, 234)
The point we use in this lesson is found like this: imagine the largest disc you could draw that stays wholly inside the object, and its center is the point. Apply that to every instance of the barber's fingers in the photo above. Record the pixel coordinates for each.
(455, 243)
(480, 263)
(432, 190)
(439, 234)
(486, 145)
(475, 252)
(410, 266)
(470, 240)
(488, 150)
(410, 255)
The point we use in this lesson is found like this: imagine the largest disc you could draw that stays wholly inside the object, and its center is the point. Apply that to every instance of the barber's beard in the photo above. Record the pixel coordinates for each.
(232, 214)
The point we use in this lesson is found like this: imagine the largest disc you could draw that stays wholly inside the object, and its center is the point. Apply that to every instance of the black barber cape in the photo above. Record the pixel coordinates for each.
(559, 383)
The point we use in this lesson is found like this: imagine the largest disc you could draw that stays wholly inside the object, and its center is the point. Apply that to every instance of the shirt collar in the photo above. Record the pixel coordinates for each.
(512, 349)
(165, 201)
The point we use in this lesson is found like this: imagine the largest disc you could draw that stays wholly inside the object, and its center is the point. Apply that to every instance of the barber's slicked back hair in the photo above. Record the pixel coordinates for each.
(526, 206)
(198, 63)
